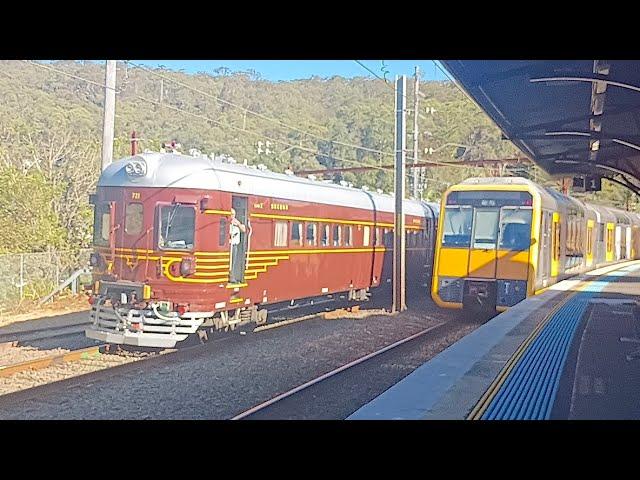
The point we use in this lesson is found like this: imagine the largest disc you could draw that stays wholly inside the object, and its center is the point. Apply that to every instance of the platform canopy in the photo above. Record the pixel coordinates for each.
(569, 116)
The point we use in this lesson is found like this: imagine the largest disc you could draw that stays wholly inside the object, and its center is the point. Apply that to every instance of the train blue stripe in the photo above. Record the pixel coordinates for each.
(530, 390)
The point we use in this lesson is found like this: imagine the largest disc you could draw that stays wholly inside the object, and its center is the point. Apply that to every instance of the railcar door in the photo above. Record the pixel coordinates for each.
(590, 242)
(544, 259)
(609, 251)
(482, 254)
(555, 244)
(239, 232)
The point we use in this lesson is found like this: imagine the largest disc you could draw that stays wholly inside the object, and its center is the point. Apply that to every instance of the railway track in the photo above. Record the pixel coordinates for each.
(26, 367)
(35, 366)
(289, 404)
(53, 353)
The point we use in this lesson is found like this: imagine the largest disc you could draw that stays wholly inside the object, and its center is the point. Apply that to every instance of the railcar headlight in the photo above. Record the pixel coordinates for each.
(95, 260)
(136, 168)
(187, 266)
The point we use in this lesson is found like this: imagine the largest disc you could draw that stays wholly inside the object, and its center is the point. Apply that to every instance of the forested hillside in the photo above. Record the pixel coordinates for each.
(51, 131)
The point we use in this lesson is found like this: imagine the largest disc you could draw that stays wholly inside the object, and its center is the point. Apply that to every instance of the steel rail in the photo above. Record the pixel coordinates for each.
(333, 372)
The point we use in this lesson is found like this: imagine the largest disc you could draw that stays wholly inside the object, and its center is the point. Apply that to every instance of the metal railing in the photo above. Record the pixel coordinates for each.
(34, 276)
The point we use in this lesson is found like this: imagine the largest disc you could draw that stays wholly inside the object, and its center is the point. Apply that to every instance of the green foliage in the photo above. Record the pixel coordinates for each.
(51, 131)
(28, 221)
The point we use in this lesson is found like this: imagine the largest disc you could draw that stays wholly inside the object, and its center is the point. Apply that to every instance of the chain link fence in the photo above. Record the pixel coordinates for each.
(33, 276)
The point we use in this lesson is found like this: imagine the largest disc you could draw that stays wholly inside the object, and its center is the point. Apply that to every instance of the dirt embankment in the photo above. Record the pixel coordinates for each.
(33, 311)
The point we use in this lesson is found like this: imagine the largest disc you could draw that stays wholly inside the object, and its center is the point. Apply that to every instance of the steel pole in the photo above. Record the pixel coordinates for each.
(399, 264)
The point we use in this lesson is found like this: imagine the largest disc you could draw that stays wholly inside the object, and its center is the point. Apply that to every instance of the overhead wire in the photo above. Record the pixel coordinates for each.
(299, 147)
(258, 134)
(42, 65)
(209, 119)
(203, 117)
(259, 115)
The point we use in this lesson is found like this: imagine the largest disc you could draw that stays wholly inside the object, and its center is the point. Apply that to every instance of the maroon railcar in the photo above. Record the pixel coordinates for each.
(170, 259)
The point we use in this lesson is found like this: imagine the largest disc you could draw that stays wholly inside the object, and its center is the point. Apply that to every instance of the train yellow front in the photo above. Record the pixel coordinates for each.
(503, 239)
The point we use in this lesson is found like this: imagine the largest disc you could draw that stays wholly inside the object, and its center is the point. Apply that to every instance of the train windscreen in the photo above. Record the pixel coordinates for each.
(494, 220)
(177, 227)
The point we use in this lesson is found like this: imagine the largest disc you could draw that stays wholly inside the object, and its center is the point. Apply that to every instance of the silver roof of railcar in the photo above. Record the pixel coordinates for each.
(173, 170)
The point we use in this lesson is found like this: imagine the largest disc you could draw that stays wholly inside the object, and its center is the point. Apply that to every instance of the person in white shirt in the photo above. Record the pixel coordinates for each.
(236, 228)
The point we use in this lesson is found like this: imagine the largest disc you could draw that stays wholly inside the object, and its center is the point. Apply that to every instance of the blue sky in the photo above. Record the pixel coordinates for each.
(276, 70)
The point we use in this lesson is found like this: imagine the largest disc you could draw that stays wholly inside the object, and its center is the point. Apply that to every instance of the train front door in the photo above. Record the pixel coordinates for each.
(482, 254)
(238, 239)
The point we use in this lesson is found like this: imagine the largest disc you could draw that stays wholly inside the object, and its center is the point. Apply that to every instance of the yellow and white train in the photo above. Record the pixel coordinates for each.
(503, 239)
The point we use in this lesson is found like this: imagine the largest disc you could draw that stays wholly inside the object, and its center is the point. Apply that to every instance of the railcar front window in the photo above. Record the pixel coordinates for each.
(177, 227)
(102, 225)
(457, 226)
(133, 219)
(486, 228)
(515, 229)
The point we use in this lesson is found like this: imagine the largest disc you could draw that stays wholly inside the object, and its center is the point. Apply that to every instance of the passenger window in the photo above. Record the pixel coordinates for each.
(312, 233)
(378, 238)
(133, 219)
(296, 233)
(280, 236)
(348, 240)
(337, 235)
(365, 236)
(325, 235)
(388, 237)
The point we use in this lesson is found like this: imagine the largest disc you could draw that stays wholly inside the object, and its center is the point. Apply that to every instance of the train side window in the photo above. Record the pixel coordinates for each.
(312, 234)
(133, 218)
(416, 238)
(296, 233)
(337, 235)
(280, 234)
(378, 238)
(223, 234)
(325, 235)
(388, 237)
(348, 236)
(366, 231)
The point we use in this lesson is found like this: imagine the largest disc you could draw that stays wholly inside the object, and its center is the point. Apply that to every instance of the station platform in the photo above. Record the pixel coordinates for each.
(571, 352)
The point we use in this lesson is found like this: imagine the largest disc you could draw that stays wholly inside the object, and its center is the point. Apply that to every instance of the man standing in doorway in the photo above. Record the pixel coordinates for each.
(236, 228)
